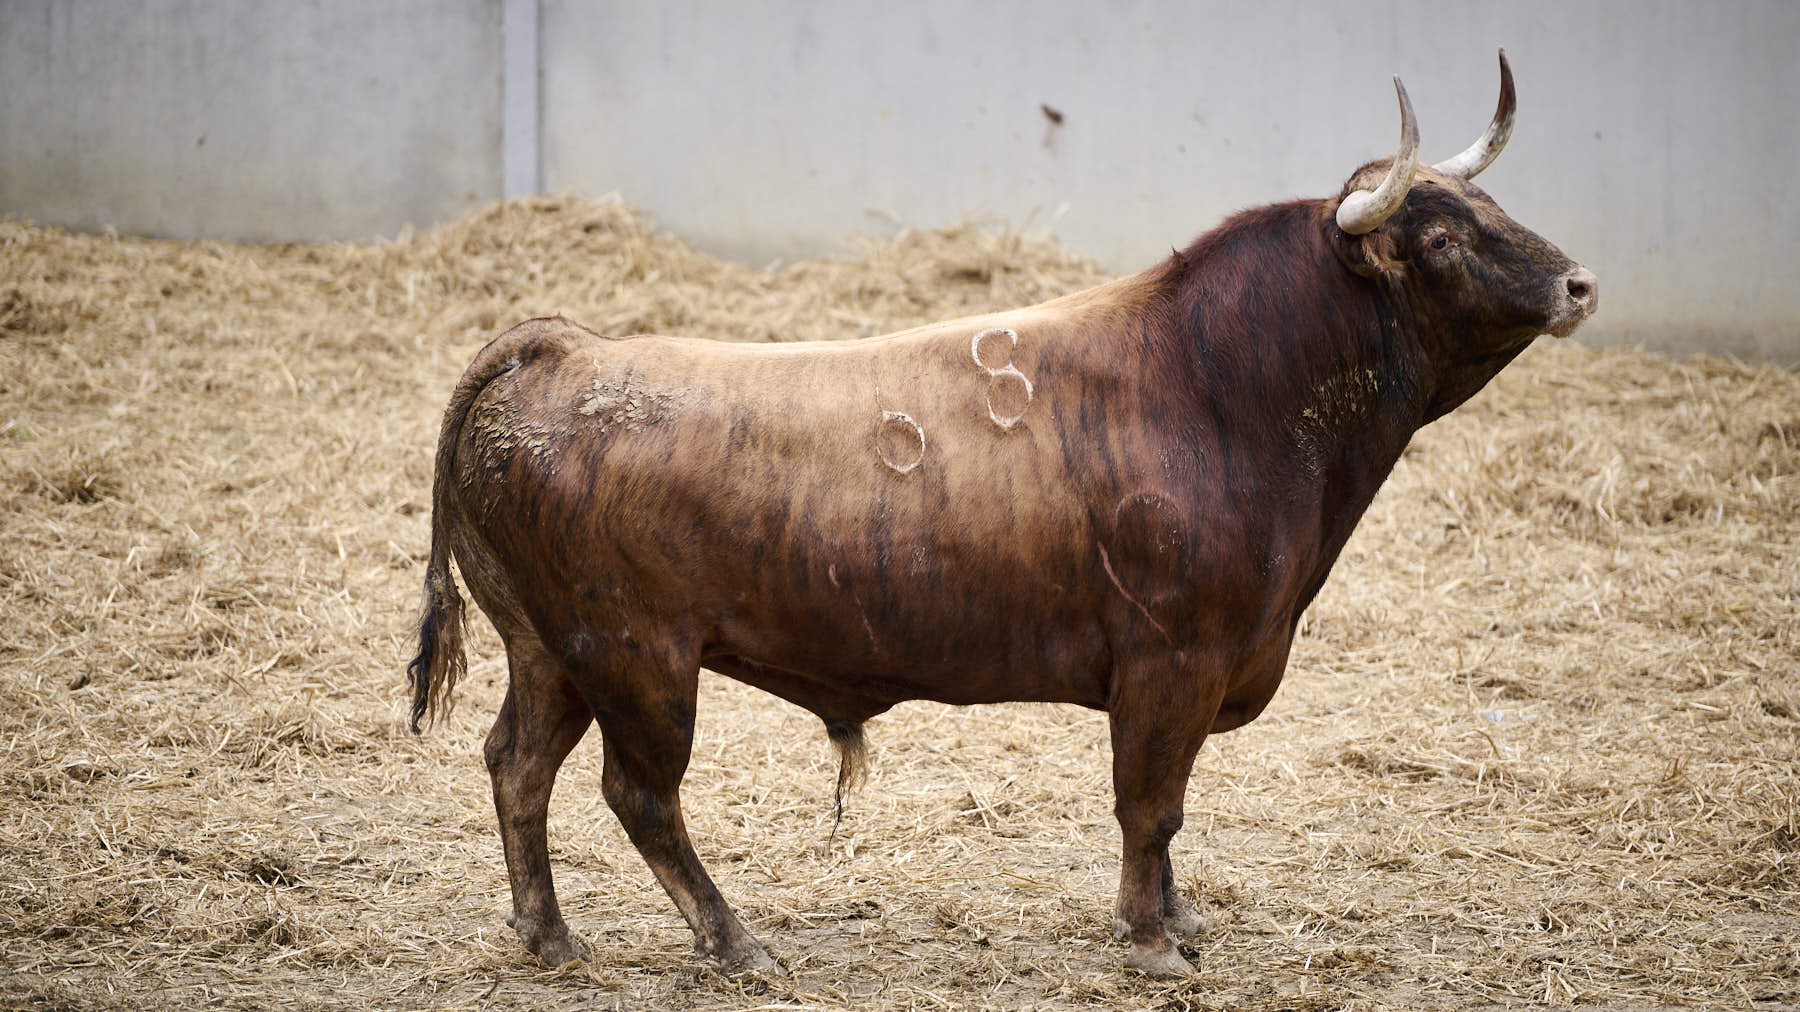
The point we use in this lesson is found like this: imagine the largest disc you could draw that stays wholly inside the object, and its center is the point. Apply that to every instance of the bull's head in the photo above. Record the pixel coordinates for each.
(1478, 284)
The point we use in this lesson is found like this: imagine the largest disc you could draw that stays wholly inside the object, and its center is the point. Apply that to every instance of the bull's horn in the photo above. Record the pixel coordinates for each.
(1482, 153)
(1364, 210)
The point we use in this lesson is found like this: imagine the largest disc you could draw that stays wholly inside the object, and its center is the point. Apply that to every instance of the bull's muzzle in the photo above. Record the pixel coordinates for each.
(1579, 296)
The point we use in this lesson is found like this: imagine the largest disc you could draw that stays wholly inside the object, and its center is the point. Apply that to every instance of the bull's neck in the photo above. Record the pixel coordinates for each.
(1300, 369)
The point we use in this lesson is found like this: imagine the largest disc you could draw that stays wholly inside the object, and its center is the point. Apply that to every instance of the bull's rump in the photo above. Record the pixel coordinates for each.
(822, 519)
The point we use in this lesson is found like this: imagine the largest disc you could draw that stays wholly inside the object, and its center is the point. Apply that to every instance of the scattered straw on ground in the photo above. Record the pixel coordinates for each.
(1538, 743)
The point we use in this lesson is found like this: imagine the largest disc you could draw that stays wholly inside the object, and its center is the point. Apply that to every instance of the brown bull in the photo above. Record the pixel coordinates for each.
(1122, 499)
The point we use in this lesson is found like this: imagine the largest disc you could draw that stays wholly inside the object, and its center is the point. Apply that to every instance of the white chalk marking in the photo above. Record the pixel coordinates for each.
(1008, 386)
(975, 343)
(898, 429)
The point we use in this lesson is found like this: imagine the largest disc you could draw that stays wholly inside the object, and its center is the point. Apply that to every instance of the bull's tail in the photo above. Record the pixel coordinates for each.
(441, 660)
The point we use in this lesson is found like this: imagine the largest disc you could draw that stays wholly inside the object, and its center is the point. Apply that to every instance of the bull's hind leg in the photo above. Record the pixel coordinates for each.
(646, 716)
(540, 722)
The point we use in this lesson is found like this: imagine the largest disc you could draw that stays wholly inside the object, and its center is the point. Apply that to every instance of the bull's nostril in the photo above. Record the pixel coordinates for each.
(1584, 288)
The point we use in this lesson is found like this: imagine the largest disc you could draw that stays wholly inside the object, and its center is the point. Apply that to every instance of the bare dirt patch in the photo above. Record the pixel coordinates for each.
(1538, 743)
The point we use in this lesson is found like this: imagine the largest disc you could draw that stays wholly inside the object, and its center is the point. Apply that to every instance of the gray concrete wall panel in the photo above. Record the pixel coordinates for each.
(257, 120)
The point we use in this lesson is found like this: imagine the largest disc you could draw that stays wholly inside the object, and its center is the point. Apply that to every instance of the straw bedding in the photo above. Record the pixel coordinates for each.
(1538, 741)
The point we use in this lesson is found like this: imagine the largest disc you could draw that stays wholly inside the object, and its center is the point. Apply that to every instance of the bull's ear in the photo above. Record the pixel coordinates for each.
(1372, 254)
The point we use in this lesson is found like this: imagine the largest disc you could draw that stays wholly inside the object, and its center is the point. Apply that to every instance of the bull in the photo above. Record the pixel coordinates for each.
(1122, 499)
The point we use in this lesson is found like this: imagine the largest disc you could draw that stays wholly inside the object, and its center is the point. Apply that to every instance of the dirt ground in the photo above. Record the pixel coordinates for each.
(1538, 742)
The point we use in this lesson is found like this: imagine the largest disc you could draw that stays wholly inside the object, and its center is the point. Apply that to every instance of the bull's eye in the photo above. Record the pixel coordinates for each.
(1440, 242)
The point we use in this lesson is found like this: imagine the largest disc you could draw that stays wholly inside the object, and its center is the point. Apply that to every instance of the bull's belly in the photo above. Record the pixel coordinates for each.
(839, 690)
(868, 647)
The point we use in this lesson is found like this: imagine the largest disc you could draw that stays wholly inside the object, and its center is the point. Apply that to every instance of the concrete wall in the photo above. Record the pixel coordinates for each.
(1648, 132)
(316, 119)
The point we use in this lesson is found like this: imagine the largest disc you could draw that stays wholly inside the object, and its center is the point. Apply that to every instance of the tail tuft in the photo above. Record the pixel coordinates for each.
(441, 661)
(853, 763)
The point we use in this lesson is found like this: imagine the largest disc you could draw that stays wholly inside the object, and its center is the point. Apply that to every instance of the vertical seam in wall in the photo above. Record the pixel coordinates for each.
(521, 107)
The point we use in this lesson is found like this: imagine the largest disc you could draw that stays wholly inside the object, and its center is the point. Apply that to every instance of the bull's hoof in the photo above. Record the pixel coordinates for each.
(1183, 922)
(1186, 922)
(554, 947)
(746, 958)
(1158, 962)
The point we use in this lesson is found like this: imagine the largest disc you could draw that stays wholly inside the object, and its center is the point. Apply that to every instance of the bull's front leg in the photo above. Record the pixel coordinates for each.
(1180, 915)
(1154, 745)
